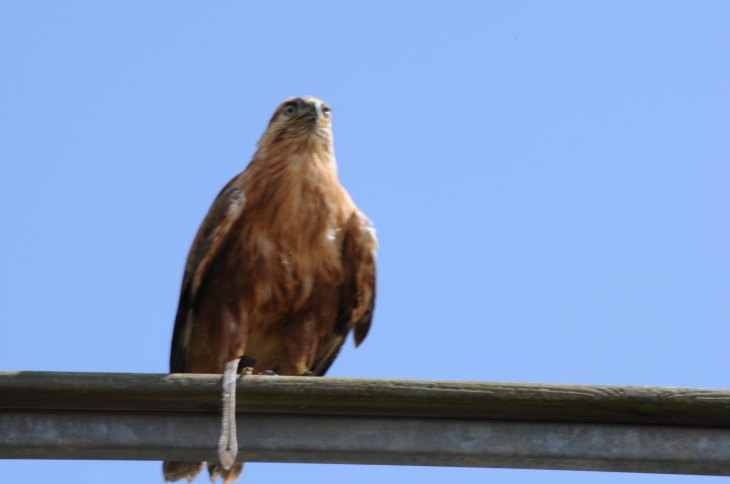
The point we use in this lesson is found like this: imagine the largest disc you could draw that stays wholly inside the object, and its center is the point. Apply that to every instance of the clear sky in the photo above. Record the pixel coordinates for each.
(549, 182)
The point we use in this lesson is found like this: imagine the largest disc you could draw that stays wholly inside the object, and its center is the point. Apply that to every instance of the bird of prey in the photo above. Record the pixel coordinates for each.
(280, 271)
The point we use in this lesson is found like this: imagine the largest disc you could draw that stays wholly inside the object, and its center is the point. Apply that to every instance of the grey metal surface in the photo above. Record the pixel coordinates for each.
(31, 390)
(368, 440)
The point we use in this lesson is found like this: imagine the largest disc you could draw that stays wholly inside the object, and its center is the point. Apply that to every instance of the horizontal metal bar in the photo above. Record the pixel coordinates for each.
(368, 440)
(367, 397)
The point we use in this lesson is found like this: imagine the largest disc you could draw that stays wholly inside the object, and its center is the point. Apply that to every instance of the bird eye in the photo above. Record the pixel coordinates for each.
(326, 110)
(290, 109)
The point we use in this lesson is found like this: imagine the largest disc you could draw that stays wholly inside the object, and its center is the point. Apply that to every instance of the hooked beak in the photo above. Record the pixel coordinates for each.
(312, 113)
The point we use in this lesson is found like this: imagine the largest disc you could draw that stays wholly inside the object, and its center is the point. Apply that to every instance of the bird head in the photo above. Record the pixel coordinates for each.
(297, 121)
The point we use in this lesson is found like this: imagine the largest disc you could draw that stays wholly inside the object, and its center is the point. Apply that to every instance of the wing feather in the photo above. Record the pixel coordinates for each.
(357, 298)
(214, 231)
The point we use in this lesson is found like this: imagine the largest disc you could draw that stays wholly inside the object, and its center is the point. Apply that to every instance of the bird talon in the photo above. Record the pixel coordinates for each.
(308, 373)
(247, 361)
(269, 373)
(302, 368)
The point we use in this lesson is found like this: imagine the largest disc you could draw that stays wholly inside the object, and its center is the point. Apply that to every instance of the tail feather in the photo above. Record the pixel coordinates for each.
(230, 475)
(174, 471)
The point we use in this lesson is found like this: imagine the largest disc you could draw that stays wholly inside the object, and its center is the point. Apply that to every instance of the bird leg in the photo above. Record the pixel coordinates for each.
(301, 339)
(228, 443)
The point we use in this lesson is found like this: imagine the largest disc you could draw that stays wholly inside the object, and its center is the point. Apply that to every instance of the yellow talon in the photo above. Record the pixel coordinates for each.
(301, 368)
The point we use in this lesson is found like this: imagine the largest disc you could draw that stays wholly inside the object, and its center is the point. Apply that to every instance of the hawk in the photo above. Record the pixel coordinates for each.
(280, 271)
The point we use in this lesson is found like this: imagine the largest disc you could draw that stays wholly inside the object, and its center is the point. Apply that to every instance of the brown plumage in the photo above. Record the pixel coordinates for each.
(281, 269)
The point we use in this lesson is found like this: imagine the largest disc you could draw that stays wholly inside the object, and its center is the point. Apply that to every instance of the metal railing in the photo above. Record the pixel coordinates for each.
(123, 416)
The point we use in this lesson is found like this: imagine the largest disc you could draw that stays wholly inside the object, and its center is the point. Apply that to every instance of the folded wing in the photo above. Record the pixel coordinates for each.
(357, 300)
(214, 231)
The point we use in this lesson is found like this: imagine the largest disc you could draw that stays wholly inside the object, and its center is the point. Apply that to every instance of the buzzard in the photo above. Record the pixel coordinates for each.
(279, 273)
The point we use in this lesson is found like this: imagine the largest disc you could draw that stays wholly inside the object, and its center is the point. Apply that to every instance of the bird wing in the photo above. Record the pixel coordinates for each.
(357, 299)
(214, 231)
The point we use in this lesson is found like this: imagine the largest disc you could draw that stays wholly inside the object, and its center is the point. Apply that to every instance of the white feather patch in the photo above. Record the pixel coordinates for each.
(237, 202)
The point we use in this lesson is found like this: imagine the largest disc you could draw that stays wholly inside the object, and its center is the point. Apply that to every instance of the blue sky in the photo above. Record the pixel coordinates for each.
(549, 182)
